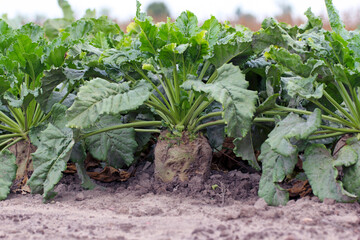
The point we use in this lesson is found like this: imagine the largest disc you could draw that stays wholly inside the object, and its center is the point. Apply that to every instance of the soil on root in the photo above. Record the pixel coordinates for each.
(180, 159)
(22, 150)
(225, 206)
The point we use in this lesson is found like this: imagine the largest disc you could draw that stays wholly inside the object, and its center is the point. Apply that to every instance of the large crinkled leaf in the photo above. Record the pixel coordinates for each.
(7, 172)
(187, 23)
(245, 150)
(274, 169)
(335, 21)
(224, 52)
(56, 97)
(345, 75)
(106, 26)
(78, 156)
(115, 147)
(274, 33)
(68, 13)
(52, 27)
(34, 31)
(351, 179)
(230, 89)
(170, 52)
(346, 157)
(52, 155)
(267, 105)
(279, 154)
(294, 62)
(28, 55)
(79, 29)
(319, 167)
(49, 82)
(99, 97)
(56, 56)
(313, 21)
(148, 36)
(290, 129)
(198, 49)
(212, 27)
(304, 87)
(354, 45)
(273, 80)
(22, 101)
(56, 118)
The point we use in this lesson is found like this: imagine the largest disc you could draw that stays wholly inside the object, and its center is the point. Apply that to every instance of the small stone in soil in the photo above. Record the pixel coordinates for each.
(291, 202)
(80, 197)
(260, 204)
(307, 221)
(315, 199)
(329, 201)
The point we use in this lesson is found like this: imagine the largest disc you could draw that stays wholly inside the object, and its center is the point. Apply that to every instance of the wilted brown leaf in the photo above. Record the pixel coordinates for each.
(91, 162)
(300, 188)
(70, 168)
(110, 174)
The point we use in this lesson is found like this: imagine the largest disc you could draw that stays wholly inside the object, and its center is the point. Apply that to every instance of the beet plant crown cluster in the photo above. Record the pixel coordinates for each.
(290, 92)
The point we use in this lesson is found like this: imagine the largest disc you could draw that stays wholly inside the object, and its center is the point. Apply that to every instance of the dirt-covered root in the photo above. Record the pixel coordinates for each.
(22, 150)
(182, 158)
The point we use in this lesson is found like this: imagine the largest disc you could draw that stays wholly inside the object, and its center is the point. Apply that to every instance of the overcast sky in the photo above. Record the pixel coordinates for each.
(125, 9)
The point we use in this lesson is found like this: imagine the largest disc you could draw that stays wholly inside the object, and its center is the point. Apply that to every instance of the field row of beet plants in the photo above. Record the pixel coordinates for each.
(290, 92)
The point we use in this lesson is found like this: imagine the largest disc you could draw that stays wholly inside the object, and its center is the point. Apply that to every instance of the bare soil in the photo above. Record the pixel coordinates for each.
(224, 207)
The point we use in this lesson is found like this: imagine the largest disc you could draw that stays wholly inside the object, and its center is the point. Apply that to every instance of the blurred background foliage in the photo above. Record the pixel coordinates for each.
(160, 11)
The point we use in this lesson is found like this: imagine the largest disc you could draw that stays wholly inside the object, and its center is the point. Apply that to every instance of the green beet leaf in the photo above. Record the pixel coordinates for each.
(213, 28)
(35, 32)
(7, 172)
(268, 104)
(49, 82)
(291, 129)
(279, 154)
(294, 62)
(187, 23)
(313, 21)
(304, 87)
(274, 169)
(28, 54)
(279, 34)
(115, 147)
(319, 167)
(52, 155)
(99, 97)
(78, 156)
(66, 9)
(351, 179)
(245, 150)
(148, 36)
(56, 57)
(224, 52)
(335, 21)
(26, 96)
